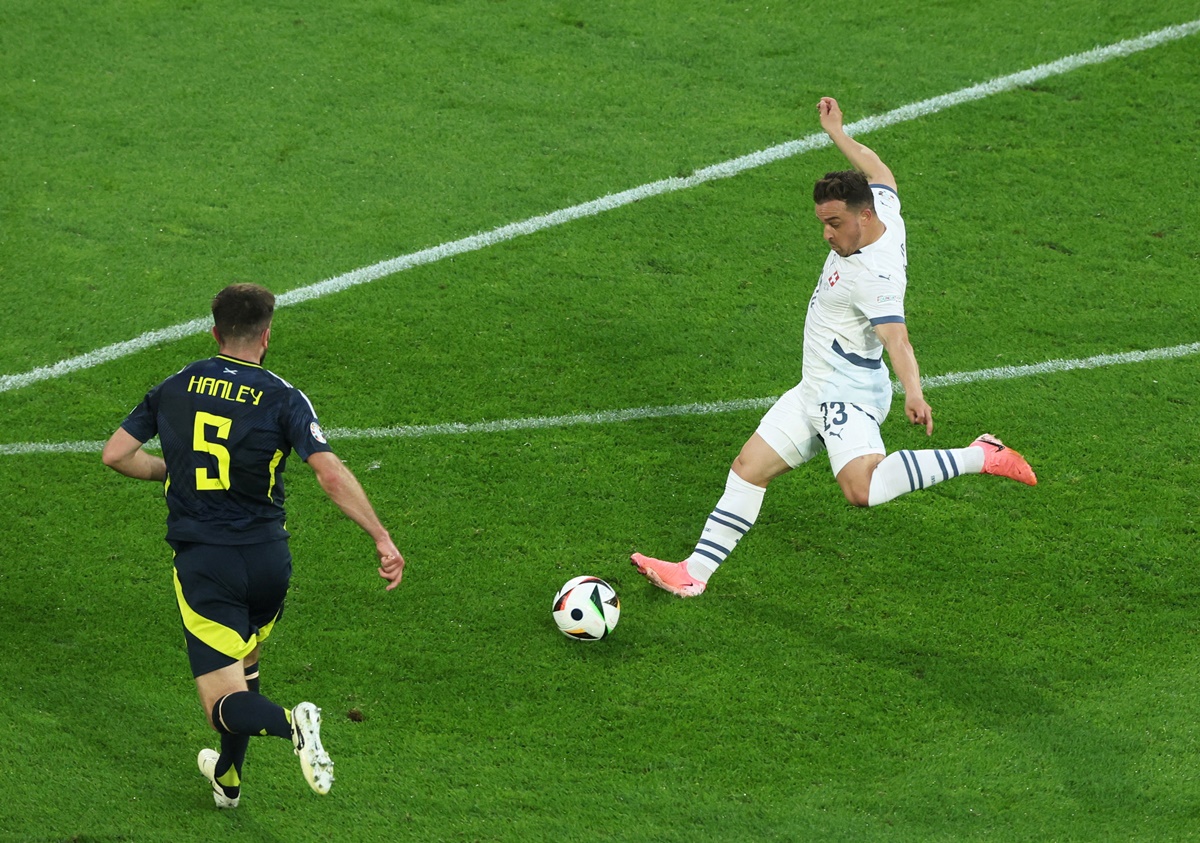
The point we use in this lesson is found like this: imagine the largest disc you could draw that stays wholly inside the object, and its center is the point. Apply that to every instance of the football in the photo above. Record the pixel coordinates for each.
(586, 608)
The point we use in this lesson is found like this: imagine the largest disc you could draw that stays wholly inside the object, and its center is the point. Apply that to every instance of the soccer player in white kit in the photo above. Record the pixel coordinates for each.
(855, 314)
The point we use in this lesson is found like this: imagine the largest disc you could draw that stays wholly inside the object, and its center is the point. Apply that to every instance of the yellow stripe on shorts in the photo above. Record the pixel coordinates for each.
(221, 638)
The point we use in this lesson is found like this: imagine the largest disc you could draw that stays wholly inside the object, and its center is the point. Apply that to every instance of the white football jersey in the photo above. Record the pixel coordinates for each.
(843, 357)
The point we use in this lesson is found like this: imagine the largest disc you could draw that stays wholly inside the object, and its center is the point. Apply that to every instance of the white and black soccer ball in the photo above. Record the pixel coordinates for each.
(586, 608)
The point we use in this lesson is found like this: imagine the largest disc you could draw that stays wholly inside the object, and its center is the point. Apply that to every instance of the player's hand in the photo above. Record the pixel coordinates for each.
(919, 412)
(391, 563)
(830, 113)
(391, 568)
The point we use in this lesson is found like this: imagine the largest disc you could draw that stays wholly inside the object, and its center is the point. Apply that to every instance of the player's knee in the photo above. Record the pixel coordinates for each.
(856, 488)
(740, 467)
(855, 479)
(755, 478)
(211, 703)
(857, 496)
(758, 469)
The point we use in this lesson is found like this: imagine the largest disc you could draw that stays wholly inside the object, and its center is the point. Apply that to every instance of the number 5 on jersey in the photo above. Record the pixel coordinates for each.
(204, 480)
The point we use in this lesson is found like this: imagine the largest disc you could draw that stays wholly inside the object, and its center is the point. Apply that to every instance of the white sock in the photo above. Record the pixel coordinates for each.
(902, 472)
(734, 514)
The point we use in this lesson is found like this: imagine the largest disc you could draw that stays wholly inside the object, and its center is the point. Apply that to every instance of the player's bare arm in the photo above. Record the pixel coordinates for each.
(123, 454)
(894, 336)
(343, 488)
(860, 156)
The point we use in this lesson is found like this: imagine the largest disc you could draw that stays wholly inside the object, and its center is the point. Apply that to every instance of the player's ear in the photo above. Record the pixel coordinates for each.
(216, 334)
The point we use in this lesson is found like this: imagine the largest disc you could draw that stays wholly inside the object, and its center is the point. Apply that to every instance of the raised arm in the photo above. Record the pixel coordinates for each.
(860, 156)
(343, 488)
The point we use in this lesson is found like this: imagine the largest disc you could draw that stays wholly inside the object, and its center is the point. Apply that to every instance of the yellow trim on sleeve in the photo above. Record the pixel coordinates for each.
(274, 465)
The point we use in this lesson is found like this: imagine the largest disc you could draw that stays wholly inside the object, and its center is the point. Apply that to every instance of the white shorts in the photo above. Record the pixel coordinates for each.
(798, 430)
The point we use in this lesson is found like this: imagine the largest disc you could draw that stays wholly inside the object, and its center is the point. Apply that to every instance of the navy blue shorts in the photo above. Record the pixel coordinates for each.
(229, 598)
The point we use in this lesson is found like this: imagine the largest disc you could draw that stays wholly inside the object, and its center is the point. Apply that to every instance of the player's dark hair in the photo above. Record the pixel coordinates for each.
(850, 186)
(242, 311)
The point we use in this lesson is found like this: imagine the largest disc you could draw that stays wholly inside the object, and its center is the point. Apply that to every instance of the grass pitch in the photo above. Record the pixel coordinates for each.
(978, 661)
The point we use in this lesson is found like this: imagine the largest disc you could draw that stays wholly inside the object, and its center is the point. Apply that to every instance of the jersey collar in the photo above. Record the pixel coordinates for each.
(239, 361)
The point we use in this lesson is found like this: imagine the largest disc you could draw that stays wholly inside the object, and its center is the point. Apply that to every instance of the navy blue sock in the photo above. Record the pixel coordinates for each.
(233, 749)
(248, 713)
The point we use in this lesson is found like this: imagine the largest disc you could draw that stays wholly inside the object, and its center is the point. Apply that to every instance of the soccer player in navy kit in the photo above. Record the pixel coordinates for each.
(855, 314)
(227, 427)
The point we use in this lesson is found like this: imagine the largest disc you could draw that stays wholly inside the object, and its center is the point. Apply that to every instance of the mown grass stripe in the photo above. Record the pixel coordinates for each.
(668, 411)
(532, 225)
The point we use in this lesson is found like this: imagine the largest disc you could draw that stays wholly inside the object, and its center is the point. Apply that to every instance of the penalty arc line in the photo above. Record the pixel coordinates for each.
(532, 225)
(998, 373)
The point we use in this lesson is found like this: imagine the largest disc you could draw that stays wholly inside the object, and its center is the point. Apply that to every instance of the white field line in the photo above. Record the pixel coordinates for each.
(635, 413)
(511, 231)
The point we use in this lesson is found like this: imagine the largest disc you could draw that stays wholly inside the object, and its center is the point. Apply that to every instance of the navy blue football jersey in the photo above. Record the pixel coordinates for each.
(226, 428)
